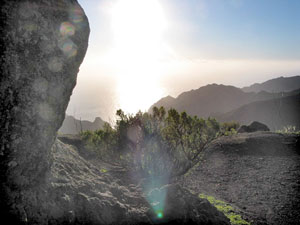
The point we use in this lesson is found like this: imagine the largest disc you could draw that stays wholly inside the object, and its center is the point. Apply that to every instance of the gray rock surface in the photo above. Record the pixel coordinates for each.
(44, 43)
(42, 180)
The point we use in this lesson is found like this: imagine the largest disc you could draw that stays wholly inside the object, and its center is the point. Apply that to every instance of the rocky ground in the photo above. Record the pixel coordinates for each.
(258, 173)
(83, 192)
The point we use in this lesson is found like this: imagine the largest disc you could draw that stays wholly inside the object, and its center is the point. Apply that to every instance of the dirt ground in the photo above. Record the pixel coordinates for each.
(257, 173)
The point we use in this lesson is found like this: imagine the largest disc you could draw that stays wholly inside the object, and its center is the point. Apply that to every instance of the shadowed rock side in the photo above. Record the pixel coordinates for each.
(258, 173)
(45, 42)
(43, 181)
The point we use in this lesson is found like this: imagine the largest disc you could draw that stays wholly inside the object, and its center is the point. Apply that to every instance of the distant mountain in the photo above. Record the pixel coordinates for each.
(275, 113)
(212, 100)
(276, 85)
(167, 102)
(72, 125)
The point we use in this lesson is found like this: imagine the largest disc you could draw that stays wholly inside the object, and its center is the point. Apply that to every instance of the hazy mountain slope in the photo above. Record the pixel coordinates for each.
(167, 102)
(275, 85)
(212, 99)
(74, 126)
(275, 113)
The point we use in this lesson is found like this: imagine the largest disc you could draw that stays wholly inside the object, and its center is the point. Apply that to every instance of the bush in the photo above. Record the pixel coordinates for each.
(102, 142)
(228, 210)
(229, 128)
(158, 144)
(289, 130)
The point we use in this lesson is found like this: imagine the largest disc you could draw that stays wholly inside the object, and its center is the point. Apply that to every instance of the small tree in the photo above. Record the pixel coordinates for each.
(103, 142)
(188, 136)
(229, 128)
(156, 144)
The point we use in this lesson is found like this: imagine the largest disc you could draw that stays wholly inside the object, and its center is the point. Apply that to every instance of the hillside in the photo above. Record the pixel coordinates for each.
(72, 125)
(258, 173)
(279, 84)
(213, 99)
(275, 113)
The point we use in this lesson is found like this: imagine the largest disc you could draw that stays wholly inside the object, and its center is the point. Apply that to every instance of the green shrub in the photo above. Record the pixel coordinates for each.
(229, 128)
(102, 142)
(158, 144)
(229, 211)
(289, 129)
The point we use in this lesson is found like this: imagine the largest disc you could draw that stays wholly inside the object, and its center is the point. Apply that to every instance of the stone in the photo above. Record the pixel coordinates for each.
(253, 127)
(38, 73)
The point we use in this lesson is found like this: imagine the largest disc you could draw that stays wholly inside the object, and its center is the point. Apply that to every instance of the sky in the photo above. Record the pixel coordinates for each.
(142, 50)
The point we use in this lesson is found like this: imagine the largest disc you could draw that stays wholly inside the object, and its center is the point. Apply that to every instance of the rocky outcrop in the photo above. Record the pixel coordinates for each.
(42, 180)
(45, 42)
(253, 127)
(257, 173)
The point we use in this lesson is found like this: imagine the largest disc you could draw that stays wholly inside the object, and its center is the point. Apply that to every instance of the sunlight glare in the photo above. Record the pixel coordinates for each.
(138, 28)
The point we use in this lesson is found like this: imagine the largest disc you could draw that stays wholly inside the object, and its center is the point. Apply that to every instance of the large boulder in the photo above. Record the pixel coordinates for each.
(45, 43)
(253, 127)
(42, 180)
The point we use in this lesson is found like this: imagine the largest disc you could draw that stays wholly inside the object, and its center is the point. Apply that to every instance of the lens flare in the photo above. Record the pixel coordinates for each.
(68, 47)
(76, 15)
(160, 215)
(156, 196)
(67, 29)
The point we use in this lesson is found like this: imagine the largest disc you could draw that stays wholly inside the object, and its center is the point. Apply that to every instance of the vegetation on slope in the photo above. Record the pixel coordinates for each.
(229, 211)
(158, 144)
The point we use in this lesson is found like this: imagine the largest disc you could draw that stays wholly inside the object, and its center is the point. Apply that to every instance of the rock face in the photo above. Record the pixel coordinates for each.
(42, 180)
(253, 127)
(45, 43)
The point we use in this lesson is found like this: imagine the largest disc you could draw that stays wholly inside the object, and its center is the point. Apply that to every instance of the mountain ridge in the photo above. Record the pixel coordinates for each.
(275, 113)
(71, 125)
(278, 84)
(215, 100)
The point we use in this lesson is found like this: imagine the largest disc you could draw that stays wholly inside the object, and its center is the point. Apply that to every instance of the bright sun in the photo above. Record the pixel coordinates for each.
(138, 28)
